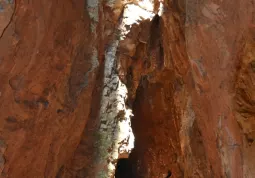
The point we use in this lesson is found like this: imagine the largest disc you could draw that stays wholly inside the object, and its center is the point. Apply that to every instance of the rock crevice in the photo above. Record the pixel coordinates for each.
(163, 88)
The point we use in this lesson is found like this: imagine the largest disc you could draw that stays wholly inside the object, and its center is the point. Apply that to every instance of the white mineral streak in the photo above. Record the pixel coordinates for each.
(161, 9)
(92, 7)
(115, 135)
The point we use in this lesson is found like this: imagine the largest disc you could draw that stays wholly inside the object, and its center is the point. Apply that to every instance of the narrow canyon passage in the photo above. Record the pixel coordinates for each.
(127, 89)
(116, 139)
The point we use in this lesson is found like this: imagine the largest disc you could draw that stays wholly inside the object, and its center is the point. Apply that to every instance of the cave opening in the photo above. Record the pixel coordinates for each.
(124, 169)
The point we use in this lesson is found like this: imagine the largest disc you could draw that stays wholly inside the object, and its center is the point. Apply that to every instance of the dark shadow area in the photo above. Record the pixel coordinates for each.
(169, 174)
(123, 169)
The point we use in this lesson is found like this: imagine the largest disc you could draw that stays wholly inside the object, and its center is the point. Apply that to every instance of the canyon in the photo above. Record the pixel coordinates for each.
(127, 88)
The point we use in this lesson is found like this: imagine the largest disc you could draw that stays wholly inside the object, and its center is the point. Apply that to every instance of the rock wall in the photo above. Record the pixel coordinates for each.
(47, 75)
(169, 85)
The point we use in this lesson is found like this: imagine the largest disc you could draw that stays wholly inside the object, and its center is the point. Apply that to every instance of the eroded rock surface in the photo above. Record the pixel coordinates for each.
(78, 77)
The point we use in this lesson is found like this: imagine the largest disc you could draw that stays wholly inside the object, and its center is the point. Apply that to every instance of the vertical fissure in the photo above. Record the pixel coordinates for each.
(115, 136)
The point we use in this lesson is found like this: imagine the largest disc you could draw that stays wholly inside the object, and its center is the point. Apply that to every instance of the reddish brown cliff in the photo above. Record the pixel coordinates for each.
(165, 87)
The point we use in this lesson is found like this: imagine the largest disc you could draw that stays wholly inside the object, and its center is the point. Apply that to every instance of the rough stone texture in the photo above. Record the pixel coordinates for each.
(189, 73)
(46, 86)
(6, 14)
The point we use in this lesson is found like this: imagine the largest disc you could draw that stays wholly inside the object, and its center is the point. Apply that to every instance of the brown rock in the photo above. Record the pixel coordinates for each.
(190, 76)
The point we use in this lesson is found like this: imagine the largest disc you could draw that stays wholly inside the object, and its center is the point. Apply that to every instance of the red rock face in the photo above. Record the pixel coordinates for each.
(190, 75)
(189, 122)
(46, 87)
